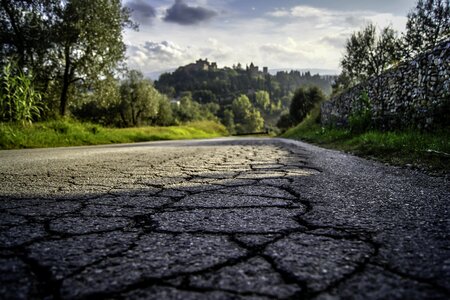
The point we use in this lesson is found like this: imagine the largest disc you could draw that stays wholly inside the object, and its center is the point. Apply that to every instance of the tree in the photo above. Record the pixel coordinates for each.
(427, 25)
(247, 118)
(64, 42)
(262, 100)
(99, 103)
(140, 101)
(341, 83)
(228, 120)
(89, 42)
(25, 27)
(285, 122)
(369, 54)
(165, 114)
(188, 109)
(302, 102)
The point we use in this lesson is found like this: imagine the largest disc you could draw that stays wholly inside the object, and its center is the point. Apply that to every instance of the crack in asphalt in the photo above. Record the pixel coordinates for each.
(247, 218)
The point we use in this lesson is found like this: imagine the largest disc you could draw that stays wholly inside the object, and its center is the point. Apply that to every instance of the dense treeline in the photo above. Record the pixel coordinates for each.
(269, 96)
(224, 85)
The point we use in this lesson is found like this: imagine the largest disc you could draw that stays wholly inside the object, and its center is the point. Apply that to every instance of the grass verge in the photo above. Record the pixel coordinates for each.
(430, 151)
(72, 133)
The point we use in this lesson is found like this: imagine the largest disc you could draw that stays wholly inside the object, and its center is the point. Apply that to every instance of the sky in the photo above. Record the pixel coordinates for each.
(279, 34)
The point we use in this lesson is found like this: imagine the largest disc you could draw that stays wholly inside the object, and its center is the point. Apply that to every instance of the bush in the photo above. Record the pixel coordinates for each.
(303, 101)
(285, 122)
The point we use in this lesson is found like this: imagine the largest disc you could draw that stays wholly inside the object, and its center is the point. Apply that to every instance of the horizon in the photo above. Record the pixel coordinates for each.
(154, 75)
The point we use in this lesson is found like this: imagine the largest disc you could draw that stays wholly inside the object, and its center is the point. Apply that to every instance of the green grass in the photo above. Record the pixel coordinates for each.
(418, 149)
(72, 133)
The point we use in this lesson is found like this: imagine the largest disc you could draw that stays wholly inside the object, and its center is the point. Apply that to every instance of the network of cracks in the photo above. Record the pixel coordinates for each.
(201, 223)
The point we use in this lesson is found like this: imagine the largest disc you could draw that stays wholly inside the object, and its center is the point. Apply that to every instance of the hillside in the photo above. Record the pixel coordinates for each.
(207, 83)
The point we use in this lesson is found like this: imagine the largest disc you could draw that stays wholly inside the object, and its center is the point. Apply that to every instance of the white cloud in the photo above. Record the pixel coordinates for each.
(158, 55)
(321, 18)
(309, 12)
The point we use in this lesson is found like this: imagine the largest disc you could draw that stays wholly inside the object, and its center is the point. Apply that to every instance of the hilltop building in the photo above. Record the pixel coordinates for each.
(201, 65)
(254, 70)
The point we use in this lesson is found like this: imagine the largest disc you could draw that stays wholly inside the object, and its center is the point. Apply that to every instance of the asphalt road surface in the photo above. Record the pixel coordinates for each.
(246, 218)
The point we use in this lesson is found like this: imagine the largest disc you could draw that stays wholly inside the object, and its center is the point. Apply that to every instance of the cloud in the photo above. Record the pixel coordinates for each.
(164, 55)
(304, 54)
(155, 56)
(142, 12)
(323, 18)
(183, 14)
(337, 41)
(309, 12)
(216, 50)
(165, 51)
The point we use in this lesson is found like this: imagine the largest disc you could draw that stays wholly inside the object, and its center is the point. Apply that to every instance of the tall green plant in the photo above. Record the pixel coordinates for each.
(19, 101)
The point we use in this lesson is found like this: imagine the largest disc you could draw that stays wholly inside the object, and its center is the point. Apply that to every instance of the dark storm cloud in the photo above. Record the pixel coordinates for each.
(183, 14)
(142, 12)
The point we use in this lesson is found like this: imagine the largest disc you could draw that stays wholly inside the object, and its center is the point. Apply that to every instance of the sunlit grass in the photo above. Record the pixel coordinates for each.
(71, 133)
(430, 150)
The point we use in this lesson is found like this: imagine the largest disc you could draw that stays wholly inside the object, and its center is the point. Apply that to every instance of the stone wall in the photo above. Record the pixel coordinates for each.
(413, 94)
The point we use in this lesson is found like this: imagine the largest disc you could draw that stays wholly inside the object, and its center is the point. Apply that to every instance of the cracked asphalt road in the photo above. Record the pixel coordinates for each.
(246, 218)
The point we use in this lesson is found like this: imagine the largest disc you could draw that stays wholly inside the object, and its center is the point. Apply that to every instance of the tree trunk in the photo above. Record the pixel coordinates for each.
(68, 72)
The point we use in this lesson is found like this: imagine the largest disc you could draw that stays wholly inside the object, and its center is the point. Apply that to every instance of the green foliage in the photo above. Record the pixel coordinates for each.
(140, 101)
(262, 101)
(427, 25)
(228, 120)
(303, 101)
(19, 101)
(247, 118)
(270, 94)
(65, 132)
(285, 122)
(69, 44)
(188, 110)
(360, 119)
(165, 114)
(369, 54)
(99, 104)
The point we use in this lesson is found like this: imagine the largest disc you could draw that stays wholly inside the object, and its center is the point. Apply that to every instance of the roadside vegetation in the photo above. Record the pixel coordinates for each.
(423, 150)
(73, 133)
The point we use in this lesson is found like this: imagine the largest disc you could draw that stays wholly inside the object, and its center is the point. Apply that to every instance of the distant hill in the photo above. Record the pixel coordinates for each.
(208, 84)
(155, 74)
(225, 84)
